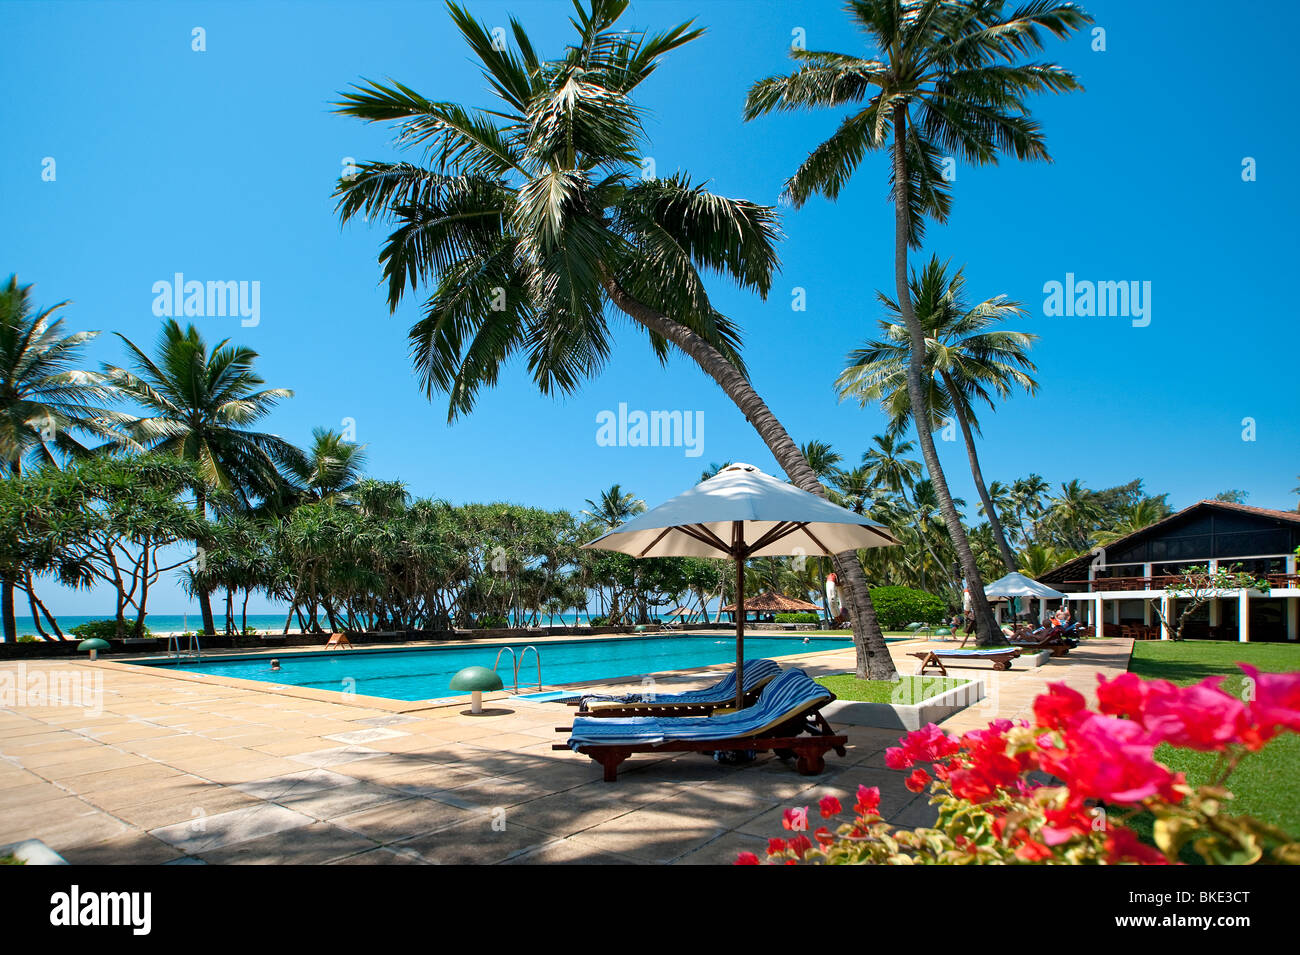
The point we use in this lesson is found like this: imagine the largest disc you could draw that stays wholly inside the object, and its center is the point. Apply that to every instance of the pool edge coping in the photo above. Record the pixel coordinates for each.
(387, 704)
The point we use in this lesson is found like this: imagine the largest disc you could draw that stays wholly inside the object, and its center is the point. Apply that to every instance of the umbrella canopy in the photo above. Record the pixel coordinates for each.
(768, 602)
(1018, 585)
(741, 513)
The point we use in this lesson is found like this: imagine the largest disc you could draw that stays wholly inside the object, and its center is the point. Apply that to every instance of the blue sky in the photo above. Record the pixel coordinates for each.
(219, 165)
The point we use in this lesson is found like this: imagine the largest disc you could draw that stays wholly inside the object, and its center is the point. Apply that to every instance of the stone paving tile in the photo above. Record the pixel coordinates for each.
(181, 772)
(314, 844)
(475, 841)
(206, 833)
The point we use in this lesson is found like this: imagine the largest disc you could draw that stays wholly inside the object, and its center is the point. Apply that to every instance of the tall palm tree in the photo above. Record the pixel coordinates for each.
(532, 223)
(967, 359)
(1073, 514)
(46, 399)
(329, 469)
(947, 78)
(615, 507)
(888, 465)
(1141, 514)
(199, 405)
(1027, 496)
(823, 459)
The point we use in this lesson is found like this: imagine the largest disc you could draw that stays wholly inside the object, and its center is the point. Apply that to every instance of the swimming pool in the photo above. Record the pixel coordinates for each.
(425, 673)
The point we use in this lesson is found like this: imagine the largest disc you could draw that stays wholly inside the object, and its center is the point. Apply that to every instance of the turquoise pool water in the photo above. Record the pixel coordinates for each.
(422, 674)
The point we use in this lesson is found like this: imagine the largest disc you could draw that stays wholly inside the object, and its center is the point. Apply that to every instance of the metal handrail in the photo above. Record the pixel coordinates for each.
(524, 653)
(513, 660)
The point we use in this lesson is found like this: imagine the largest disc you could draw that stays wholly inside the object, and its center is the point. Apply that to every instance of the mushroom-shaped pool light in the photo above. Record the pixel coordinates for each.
(94, 645)
(476, 680)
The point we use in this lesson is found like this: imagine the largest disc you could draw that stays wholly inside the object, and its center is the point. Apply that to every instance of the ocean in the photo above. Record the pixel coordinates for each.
(163, 623)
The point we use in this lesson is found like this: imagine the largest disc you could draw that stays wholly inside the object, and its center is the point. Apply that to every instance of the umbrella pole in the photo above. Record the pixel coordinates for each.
(740, 619)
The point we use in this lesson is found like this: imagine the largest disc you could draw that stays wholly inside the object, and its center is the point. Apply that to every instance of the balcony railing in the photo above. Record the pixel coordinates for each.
(1276, 581)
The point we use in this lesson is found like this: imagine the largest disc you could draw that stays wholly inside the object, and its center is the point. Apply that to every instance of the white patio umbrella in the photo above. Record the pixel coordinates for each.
(1018, 585)
(741, 513)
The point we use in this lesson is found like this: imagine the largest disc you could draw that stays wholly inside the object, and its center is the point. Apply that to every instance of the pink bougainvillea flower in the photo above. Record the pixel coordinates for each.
(1275, 703)
(796, 820)
(918, 780)
(747, 858)
(800, 845)
(823, 835)
(1054, 708)
(1031, 850)
(828, 806)
(1112, 760)
(896, 758)
(868, 800)
(1123, 696)
(1122, 845)
(1200, 717)
(776, 846)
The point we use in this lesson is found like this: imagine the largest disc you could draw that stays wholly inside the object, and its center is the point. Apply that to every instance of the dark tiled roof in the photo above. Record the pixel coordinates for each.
(1071, 568)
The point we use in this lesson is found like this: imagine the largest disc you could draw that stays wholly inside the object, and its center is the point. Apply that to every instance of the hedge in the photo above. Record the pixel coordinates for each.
(896, 607)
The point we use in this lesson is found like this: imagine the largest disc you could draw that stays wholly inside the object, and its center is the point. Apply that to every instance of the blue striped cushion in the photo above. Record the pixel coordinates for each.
(756, 671)
(790, 693)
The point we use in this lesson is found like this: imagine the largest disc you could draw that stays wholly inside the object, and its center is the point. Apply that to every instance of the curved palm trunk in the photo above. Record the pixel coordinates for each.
(873, 660)
(986, 628)
(7, 585)
(991, 512)
(205, 598)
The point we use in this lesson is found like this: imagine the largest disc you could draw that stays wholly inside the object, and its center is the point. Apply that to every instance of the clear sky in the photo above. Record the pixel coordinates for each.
(219, 165)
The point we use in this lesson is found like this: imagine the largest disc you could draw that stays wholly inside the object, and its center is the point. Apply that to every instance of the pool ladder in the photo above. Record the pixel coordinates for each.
(194, 650)
(516, 661)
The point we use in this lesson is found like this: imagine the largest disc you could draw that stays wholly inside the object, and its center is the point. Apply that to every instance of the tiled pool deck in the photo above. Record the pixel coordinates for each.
(195, 769)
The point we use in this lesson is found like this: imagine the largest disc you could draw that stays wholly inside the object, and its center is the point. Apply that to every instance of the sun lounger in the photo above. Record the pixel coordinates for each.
(691, 703)
(1001, 657)
(787, 709)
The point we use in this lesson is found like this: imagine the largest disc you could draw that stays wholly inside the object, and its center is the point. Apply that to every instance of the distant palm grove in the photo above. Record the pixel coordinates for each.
(525, 226)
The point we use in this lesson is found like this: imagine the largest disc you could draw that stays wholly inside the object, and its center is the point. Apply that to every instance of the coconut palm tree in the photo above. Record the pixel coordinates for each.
(200, 404)
(946, 79)
(1073, 514)
(329, 469)
(968, 359)
(532, 225)
(615, 507)
(47, 402)
(1142, 514)
(823, 459)
(1027, 496)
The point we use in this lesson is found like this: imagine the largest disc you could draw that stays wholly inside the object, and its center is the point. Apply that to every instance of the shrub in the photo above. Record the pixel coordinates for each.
(896, 607)
(105, 629)
(1065, 789)
(797, 618)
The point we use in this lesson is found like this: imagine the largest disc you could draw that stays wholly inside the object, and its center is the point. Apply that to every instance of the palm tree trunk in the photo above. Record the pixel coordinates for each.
(7, 585)
(986, 628)
(205, 598)
(991, 512)
(873, 659)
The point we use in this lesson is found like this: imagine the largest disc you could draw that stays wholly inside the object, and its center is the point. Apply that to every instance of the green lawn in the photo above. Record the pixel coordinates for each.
(1267, 783)
(907, 690)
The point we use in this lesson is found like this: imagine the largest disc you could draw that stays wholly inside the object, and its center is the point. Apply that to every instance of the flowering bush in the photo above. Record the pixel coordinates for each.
(1065, 789)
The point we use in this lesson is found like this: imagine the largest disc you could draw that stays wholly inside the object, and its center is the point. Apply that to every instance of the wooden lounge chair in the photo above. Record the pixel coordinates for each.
(1001, 657)
(787, 709)
(758, 673)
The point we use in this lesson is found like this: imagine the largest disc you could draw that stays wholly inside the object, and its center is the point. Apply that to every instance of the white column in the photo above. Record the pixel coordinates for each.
(1042, 607)
(1146, 611)
(1097, 617)
(1146, 572)
(1166, 607)
(1243, 615)
(1214, 612)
